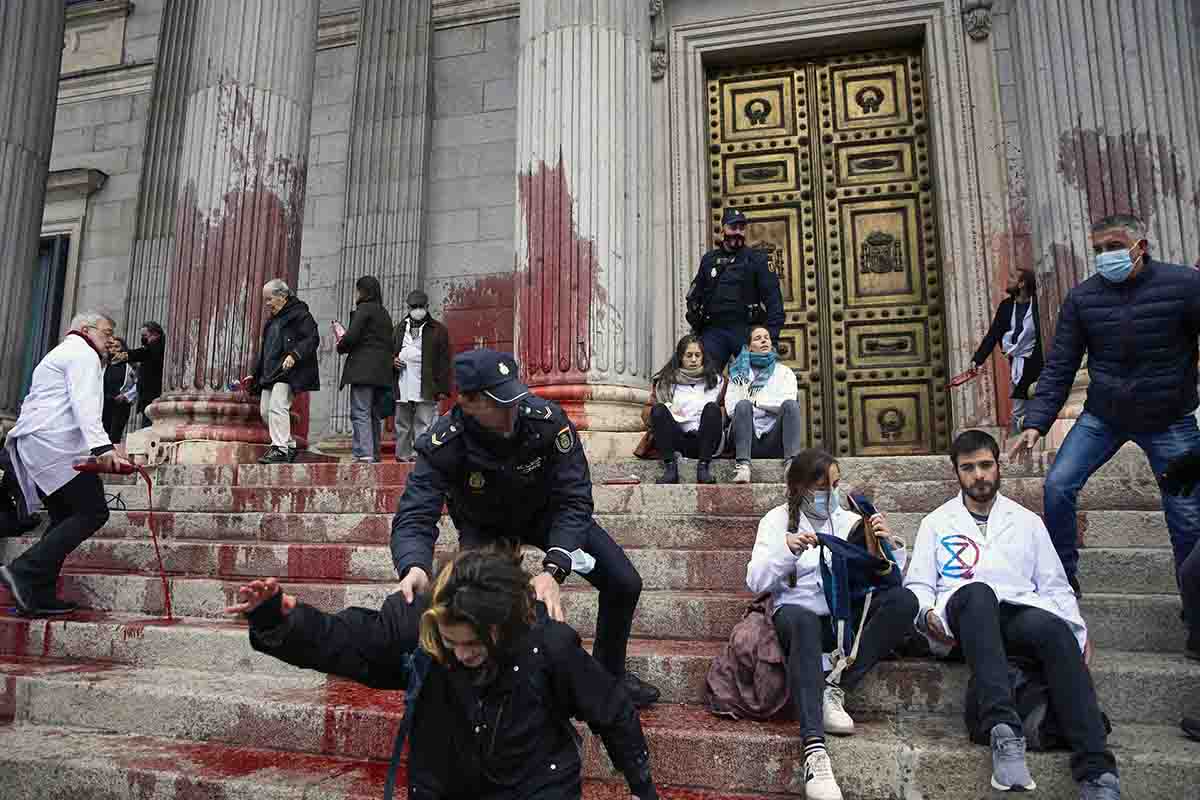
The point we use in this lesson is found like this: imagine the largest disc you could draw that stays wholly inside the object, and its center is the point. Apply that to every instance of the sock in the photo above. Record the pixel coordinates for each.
(812, 746)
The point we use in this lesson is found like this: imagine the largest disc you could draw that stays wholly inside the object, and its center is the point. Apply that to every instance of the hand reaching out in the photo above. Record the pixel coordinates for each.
(257, 592)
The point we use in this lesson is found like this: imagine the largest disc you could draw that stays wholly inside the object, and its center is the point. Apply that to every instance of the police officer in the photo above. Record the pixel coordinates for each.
(510, 465)
(733, 289)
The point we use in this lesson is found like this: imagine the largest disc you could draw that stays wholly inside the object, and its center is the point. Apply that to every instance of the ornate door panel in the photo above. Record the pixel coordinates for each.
(830, 162)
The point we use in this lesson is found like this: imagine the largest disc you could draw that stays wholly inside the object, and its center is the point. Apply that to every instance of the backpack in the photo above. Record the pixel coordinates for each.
(749, 678)
(1032, 701)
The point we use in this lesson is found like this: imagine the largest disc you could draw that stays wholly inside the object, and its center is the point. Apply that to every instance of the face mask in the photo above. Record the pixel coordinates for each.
(1115, 267)
(417, 314)
(822, 504)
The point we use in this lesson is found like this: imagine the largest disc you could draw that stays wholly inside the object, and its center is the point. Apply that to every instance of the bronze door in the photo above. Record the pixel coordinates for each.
(829, 159)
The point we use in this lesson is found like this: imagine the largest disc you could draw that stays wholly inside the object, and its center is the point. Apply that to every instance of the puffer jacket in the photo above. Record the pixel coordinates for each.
(1140, 340)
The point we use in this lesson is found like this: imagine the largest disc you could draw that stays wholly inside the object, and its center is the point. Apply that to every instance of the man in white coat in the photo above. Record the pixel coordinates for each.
(60, 424)
(988, 579)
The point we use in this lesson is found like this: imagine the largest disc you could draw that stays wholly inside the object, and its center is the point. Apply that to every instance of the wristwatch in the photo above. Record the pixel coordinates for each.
(555, 571)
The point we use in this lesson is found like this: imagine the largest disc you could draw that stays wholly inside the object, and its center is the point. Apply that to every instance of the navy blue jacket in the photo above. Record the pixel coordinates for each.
(538, 491)
(1140, 340)
(742, 278)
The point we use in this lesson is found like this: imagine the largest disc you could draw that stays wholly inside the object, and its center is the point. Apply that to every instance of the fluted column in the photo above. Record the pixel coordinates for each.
(239, 210)
(389, 150)
(31, 40)
(583, 232)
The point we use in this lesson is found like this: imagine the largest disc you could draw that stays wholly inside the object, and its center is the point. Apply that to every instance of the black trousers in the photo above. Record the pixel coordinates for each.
(988, 631)
(804, 636)
(115, 417)
(1189, 589)
(614, 576)
(77, 510)
(670, 438)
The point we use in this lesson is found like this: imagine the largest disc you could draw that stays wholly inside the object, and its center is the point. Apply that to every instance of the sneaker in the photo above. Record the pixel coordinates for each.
(291, 453)
(1010, 773)
(1106, 787)
(54, 607)
(670, 471)
(819, 783)
(643, 694)
(276, 455)
(22, 594)
(704, 473)
(837, 721)
(741, 473)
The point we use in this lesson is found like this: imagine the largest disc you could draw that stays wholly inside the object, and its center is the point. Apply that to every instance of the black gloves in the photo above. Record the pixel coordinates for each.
(1182, 474)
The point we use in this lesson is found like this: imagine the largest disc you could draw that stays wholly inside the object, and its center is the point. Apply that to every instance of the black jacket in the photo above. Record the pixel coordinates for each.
(368, 342)
(1000, 325)
(150, 374)
(435, 356)
(518, 726)
(727, 283)
(536, 488)
(292, 331)
(1140, 340)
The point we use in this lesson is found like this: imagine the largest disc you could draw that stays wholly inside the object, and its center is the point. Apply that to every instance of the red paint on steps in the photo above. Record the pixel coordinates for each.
(322, 562)
(14, 639)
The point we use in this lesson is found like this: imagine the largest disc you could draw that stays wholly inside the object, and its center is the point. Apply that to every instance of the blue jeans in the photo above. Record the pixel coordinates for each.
(1089, 445)
(366, 428)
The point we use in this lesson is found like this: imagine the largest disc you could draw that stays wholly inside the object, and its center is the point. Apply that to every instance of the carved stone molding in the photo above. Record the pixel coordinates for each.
(658, 39)
(977, 18)
(94, 36)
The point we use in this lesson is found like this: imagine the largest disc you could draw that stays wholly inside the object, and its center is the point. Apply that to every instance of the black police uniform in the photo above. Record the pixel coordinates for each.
(534, 487)
(729, 288)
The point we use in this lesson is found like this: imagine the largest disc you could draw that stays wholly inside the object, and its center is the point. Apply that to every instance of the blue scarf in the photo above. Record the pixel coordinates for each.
(762, 363)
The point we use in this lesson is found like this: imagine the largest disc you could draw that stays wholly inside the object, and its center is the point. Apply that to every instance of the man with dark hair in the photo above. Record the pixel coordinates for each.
(1017, 329)
(510, 466)
(150, 357)
(734, 288)
(988, 581)
(1137, 320)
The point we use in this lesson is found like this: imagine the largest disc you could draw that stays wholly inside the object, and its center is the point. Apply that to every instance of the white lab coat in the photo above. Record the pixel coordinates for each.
(60, 420)
(688, 401)
(408, 387)
(1016, 559)
(781, 386)
(772, 562)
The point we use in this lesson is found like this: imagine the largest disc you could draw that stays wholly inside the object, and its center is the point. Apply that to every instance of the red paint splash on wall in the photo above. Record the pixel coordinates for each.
(224, 255)
(1062, 271)
(480, 313)
(560, 286)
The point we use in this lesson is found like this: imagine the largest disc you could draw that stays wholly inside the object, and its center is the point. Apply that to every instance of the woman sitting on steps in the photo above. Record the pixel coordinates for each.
(761, 400)
(686, 417)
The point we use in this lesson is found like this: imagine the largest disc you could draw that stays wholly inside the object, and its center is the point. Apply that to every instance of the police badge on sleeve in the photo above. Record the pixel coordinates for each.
(564, 441)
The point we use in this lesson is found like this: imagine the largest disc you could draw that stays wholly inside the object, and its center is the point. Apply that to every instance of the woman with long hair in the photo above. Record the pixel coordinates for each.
(1017, 329)
(367, 345)
(686, 418)
(786, 562)
(761, 400)
(492, 682)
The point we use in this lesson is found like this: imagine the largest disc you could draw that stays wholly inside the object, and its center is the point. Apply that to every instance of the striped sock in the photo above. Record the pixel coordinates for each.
(813, 745)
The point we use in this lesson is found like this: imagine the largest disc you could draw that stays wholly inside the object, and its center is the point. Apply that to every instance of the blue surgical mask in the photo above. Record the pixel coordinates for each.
(1114, 267)
(823, 505)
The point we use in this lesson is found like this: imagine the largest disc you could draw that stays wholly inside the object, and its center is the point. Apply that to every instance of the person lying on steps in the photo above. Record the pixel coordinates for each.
(492, 683)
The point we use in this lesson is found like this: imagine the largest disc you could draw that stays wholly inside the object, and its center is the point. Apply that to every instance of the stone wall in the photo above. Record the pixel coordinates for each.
(471, 195)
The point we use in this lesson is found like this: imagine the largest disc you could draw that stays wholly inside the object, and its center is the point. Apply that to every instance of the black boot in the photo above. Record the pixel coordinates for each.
(670, 471)
(704, 473)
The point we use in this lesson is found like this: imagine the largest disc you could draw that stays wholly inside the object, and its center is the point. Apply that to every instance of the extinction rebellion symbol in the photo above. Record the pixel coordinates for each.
(959, 554)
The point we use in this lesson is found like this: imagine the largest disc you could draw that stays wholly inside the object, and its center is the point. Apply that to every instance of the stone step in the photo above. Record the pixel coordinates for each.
(889, 755)
(1128, 463)
(46, 761)
(1147, 622)
(1134, 687)
(1100, 494)
(675, 531)
(1117, 570)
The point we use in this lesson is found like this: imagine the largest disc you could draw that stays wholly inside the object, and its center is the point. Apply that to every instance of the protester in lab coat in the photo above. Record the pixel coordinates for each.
(59, 425)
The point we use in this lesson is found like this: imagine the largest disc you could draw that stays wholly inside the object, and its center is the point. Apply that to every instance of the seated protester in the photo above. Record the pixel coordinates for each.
(989, 581)
(474, 657)
(686, 417)
(761, 400)
(786, 563)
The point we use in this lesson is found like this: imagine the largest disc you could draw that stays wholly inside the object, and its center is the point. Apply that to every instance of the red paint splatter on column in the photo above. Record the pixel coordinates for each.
(480, 313)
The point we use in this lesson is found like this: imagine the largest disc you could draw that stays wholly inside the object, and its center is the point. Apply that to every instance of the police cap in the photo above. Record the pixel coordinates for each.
(733, 216)
(494, 374)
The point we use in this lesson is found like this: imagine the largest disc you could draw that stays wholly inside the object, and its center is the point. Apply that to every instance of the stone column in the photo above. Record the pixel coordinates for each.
(31, 41)
(239, 209)
(583, 231)
(385, 186)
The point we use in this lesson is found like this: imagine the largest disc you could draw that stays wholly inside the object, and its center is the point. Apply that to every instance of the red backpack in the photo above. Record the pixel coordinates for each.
(748, 680)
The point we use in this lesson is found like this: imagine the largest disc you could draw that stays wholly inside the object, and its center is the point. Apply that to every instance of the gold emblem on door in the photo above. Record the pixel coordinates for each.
(829, 160)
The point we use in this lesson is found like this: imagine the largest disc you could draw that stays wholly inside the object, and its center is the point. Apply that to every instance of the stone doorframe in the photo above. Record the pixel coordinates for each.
(970, 182)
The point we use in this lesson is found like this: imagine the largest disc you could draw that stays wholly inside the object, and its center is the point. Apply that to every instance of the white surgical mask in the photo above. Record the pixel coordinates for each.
(417, 313)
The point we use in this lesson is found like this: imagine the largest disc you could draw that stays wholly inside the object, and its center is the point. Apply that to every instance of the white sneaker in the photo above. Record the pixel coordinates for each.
(741, 473)
(837, 721)
(818, 778)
